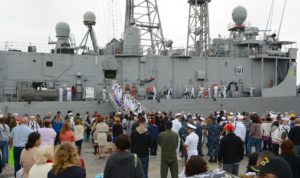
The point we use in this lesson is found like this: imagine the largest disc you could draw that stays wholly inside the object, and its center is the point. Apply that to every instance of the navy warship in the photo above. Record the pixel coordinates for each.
(250, 63)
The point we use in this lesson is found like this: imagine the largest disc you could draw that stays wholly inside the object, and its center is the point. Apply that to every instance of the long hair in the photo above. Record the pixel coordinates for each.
(32, 138)
(66, 127)
(288, 148)
(65, 156)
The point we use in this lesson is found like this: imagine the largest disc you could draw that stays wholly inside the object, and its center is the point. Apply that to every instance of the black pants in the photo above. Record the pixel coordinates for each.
(0, 164)
(275, 149)
(88, 133)
(57, 141)
(267, 146)
(153, 149)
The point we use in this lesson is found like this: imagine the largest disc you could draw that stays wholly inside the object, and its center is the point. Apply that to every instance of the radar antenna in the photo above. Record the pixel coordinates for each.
(145, 15)
(198, 37)
(89, 20)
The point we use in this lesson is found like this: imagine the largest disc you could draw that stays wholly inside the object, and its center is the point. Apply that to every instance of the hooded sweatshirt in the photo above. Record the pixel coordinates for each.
(141, 142)
(123, 164)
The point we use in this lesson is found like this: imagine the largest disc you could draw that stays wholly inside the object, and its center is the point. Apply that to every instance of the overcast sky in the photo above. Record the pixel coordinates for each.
(33, 21)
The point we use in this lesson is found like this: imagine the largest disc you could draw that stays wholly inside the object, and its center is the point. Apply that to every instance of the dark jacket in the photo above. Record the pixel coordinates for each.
(294, 135)
(123, 165)
(294, 162)
(168, 140)
(141, 142)
(117, 130)
(154, 132)
(74, 172)
(231, 149)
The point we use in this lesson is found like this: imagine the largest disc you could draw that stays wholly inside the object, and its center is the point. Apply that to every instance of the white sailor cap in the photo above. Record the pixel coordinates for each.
(15, 114)
(202, 118)
(1, 116)
(118, 113)
(223, 118)
(194, 117)
(159, 112)
(178, 114)
(32, 117)
(240, 117)
(285, 119)
(191, 126)
(231, 113)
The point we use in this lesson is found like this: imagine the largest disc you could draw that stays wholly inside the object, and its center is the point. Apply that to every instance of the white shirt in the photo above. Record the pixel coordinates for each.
(240, 130)
(192, 142)
(78, 132)
(284, 128)
(40, 171)
(176, 125)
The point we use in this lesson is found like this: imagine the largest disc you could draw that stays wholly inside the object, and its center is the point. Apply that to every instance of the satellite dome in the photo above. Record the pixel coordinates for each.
(89, 18)
(239, 15)
(62, 29)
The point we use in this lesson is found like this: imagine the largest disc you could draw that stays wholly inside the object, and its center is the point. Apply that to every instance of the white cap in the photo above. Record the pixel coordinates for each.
(285, 119)
(191, 126)
(240, 117)
(178, 114)
(202, 118)
(70, 114)
(194, 117)
(231, 113)
(15, 114)
(1, 116)
(223, 118)
(32, 117)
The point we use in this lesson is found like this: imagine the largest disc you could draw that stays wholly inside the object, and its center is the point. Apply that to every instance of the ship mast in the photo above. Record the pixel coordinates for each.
(145, 15)
(198, 37)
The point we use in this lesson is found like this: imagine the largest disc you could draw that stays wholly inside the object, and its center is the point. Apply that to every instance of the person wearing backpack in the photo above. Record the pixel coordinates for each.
(123, 164)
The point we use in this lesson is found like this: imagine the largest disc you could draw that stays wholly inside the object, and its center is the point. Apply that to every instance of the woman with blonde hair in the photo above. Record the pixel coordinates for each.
(66, 134)
(102, 131)
(66, 163)
(44, 161)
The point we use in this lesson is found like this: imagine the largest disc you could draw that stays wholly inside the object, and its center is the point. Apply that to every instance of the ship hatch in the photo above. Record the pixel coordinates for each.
(110, 74)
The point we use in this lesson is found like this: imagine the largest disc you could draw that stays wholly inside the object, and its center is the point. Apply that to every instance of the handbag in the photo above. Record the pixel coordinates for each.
(109, 137)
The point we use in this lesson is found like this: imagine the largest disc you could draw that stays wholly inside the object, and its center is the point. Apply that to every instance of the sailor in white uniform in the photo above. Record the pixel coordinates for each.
(154, 93)
(104, 94)
(251, 91)
(192, 92)
(191, 141)
(69, 94)
(61, 94)
(215, 91)
(176, 125)
(224, 91)
(169, 93)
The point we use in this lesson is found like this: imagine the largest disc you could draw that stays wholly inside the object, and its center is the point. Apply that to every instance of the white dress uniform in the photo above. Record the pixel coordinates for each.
(154, 93)
(61, 94)
(69, 94)
(215, 91)
(224, 91)
(176, 125)
(191, 142)
(104, 94)
(169, 91)
(192, 92)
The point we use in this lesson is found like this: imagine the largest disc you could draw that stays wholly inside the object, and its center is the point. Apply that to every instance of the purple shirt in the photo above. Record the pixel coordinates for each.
(47, 136)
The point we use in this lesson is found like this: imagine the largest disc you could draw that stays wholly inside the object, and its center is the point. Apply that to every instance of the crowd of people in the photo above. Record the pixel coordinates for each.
(129, 140)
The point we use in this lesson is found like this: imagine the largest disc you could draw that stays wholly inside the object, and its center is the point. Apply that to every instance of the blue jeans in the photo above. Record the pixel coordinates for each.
(145, 165)
(4, 150)
(17, 155)
(253, 142)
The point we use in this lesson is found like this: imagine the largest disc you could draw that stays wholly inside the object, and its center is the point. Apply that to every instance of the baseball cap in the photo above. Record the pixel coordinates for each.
(273, 165)
(229, 127)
